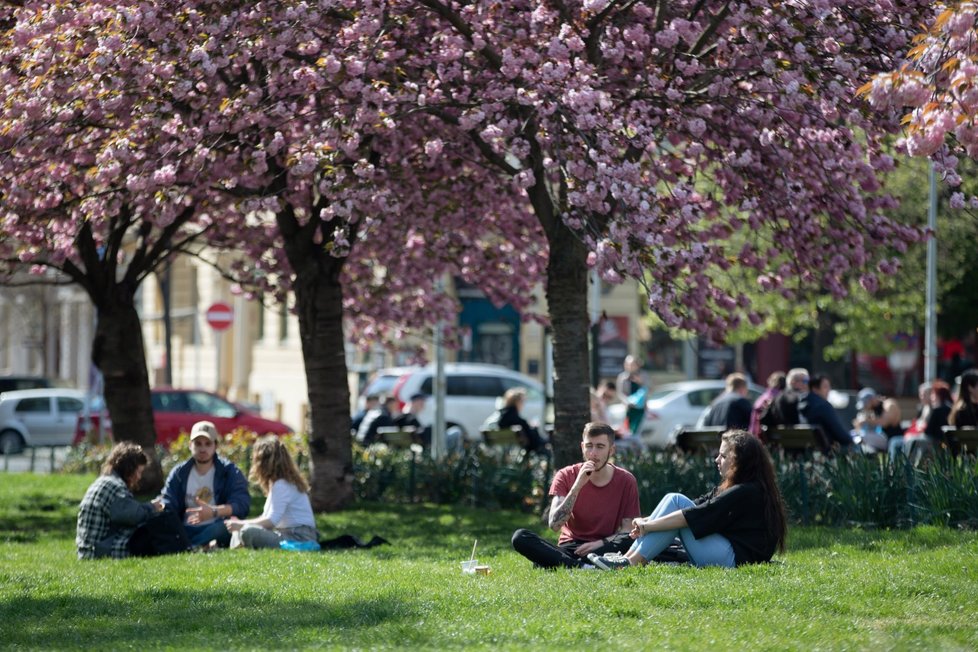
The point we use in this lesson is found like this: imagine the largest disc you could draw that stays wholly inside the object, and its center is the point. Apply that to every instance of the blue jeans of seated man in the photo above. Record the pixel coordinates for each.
(200, 535)
(712, 550)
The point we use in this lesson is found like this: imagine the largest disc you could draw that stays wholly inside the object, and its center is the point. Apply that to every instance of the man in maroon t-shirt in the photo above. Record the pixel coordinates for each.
(593, 505)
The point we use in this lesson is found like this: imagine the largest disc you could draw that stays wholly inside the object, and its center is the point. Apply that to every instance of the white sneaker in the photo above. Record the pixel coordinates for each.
(609, 561)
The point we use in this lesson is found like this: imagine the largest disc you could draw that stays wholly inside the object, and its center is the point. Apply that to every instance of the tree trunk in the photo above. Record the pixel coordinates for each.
(567, 291)
(119, 354)
(319, 302)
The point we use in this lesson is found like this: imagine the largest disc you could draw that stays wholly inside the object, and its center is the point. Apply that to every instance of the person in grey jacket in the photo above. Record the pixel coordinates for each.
(109, 514)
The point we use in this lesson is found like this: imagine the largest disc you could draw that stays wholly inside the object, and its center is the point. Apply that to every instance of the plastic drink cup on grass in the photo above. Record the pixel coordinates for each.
(468, 566)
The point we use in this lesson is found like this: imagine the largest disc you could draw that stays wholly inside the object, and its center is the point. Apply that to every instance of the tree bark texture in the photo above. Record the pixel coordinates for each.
(567, 289)
(319, 303)
(120, 355)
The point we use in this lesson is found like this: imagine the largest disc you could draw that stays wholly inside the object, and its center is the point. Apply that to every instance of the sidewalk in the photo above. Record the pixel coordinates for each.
(44, 459)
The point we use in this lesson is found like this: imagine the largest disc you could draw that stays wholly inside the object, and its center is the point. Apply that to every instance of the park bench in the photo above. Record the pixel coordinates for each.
(797, 439)
(503, 437)
(705, 439)
(396, 437)
(961, 441)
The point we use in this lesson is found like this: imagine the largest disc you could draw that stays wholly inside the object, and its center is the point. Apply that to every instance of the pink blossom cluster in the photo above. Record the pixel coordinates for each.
(936, 88)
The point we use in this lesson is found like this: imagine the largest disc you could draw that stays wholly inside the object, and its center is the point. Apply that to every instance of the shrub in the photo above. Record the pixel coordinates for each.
(865, 491)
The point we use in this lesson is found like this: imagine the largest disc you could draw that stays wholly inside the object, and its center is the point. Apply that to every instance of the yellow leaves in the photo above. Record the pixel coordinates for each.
(917, 51)
(905, 120)
(864, 89)
(225, 103)
(951, 64)
(942, 19)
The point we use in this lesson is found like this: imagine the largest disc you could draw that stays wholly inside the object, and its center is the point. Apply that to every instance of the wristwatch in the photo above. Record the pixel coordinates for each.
(214, 509)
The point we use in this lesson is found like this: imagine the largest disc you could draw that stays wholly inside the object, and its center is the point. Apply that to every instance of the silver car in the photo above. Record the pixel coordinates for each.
(472, 392)
(38, 417)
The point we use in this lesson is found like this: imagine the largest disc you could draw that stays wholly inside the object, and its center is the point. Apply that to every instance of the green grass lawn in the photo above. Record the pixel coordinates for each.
(835, 589)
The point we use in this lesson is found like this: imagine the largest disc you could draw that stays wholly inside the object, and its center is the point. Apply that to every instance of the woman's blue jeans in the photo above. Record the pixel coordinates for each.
(712, 550)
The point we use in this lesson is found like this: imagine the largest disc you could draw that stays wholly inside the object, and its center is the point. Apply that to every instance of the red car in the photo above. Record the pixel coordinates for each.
(177, 410)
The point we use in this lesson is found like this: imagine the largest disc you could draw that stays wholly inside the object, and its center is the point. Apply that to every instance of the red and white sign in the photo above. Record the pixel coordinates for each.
(220, 315)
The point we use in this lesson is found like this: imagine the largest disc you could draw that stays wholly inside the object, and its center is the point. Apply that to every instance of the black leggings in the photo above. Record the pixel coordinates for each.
(546, 555)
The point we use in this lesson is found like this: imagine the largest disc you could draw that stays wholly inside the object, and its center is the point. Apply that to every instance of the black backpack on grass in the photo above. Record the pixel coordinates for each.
(162, 534)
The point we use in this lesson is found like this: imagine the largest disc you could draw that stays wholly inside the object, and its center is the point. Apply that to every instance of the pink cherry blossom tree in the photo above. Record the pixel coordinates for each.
(645, 135)
(137, 131)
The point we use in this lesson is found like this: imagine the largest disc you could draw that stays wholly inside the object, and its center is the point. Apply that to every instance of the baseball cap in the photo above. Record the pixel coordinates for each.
(865, 395)
(204, 429)
(418, 397)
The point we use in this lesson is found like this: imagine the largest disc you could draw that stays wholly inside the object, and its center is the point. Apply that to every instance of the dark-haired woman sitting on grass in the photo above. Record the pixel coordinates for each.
(741, 521)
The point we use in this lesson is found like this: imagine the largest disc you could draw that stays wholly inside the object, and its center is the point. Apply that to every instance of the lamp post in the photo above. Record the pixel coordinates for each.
(930, 324)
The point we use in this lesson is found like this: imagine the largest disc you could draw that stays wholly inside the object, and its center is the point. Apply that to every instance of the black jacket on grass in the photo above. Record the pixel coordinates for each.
(737, 514)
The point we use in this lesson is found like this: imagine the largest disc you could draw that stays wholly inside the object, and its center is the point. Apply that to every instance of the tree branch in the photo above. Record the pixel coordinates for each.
(462, 28)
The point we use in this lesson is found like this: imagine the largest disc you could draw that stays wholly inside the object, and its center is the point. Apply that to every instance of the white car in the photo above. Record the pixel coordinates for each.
(673, 405)
(38, 417)
(471, 392)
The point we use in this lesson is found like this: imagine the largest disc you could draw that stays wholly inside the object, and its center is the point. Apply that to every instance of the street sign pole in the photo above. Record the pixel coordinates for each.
(219, 316)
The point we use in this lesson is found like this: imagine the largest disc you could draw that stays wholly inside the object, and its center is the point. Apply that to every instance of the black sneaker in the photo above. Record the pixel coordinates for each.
(609, 561)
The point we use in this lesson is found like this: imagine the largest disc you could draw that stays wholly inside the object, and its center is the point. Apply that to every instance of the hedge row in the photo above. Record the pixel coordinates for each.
(842, 491)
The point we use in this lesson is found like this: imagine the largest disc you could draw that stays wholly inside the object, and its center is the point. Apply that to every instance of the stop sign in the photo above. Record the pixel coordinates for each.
(220, 315)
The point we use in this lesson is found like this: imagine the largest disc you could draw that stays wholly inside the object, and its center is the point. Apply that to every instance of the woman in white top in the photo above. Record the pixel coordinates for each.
(287, 515)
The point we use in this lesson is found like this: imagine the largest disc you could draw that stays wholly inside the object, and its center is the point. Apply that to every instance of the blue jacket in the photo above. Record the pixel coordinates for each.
(230, 488)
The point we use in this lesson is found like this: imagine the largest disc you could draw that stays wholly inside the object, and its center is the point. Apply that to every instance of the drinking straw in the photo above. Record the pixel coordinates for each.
(472, 558)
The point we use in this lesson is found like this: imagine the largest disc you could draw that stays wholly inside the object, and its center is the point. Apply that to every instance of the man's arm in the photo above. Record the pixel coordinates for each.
(560, 511)
(129, 512)
(238, 497)
(832, 424)
(562, 506)
(173, 492)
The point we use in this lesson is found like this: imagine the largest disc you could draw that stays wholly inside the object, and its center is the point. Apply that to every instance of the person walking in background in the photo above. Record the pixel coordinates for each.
(731, 409)
(965, 410)
(287, 515)
(109, 514)
(633, 386)
(206, 489)
(775, 385)
(741, 521)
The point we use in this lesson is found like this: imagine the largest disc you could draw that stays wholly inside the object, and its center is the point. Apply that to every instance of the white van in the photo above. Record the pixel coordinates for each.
(471, 392)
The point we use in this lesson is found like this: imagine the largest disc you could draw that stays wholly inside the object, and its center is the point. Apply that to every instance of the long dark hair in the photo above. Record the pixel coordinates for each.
(968, 380)
(752, 463)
